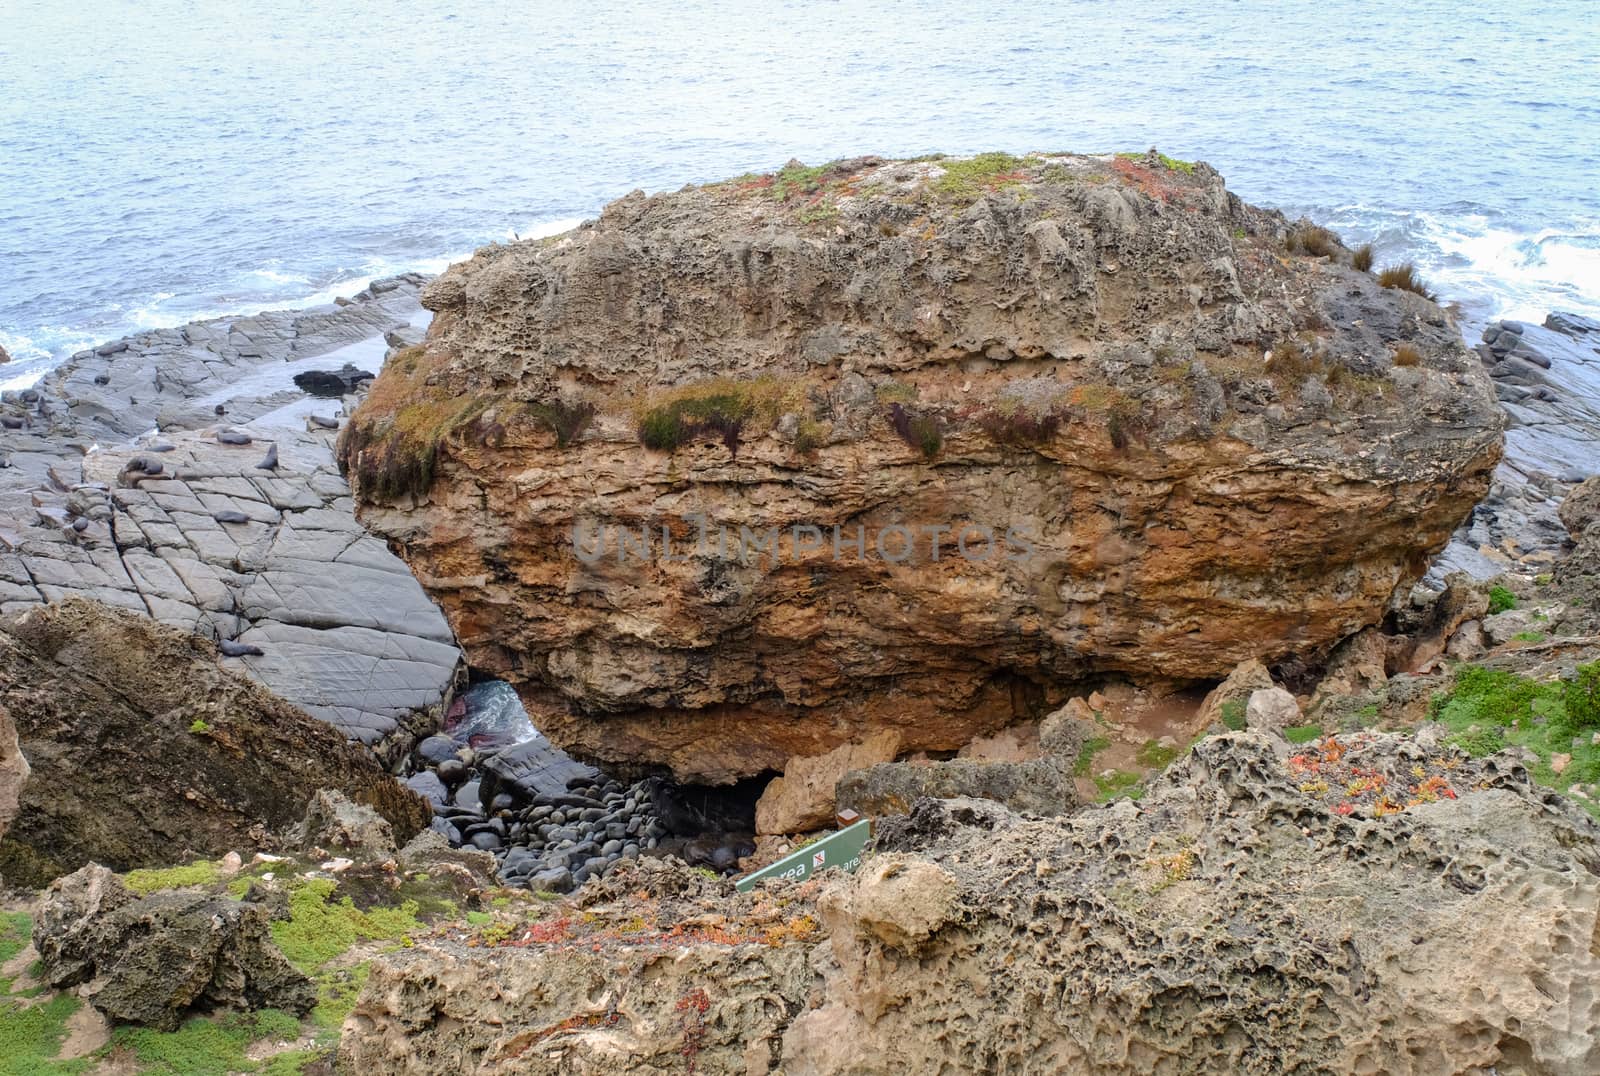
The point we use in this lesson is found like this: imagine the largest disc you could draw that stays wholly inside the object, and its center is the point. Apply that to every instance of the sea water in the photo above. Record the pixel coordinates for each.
(171, 160)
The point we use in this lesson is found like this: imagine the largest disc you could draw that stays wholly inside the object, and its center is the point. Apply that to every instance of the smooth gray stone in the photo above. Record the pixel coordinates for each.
(556, 880)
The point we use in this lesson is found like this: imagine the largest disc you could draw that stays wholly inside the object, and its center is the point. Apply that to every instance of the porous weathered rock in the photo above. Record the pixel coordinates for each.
(1038, 786)
(147, 751)
(334, 824)
(13, 770)
(802, 799)
(1246, 915)
(155, 960)
(1580, 509)
(1065, 731)
(1108, 357)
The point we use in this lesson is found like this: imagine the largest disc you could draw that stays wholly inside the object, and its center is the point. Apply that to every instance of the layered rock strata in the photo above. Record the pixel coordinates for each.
(753, 470)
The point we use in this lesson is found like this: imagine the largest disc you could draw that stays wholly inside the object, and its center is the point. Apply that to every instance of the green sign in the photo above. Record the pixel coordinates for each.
(841, 849)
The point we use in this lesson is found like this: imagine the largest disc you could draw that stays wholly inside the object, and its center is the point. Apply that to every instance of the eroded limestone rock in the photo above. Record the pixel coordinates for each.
(802, 799)
(1107, 356)
(1244, 916)
(155, 960)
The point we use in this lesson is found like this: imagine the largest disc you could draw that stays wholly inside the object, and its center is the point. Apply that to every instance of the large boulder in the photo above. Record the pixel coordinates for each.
(748, 471)
(157, 959)
(146, 751)
(802, 799)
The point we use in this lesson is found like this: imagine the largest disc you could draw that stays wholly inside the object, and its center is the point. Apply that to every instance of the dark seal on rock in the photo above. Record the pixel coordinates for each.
(233, 437)
(270, 461)
(231, 649)
(229, 515)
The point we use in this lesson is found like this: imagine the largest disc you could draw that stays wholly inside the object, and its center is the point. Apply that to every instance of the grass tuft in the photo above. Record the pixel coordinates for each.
(1501, 600)
(1361, 258)
(920, 431)
(1405, 278)
(1311, 239)
(1407, 355)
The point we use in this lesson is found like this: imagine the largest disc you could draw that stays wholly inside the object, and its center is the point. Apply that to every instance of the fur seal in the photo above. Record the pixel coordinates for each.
(229, 515)
(231, 649)
(270, 462)
(323, 423)
(233, 437)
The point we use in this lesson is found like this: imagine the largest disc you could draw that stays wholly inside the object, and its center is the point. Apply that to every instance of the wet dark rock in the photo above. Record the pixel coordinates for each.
(436, 749)
(427, 784)
(533, 770)
(557, 880)
(332, 384)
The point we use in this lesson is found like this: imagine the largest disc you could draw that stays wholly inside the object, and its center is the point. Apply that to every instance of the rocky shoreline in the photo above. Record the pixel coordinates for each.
(1238, 787)
(134, 475)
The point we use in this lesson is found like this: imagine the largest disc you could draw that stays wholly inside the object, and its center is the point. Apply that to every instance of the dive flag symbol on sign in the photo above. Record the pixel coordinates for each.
(819, 859)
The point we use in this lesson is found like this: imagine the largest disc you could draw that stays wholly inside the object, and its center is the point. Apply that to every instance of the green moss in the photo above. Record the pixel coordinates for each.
(720, 410)
(1172, 164)
(1091, 747)
(566, 419)
(336, 996)
(292, 1062)
(1233, 715)
(1156, 756)
(1500, 600)
(16, 930)
(1302, 733)
(31, 1037)
(1490, 709)
(1529, 637)
(796, 179)
(1116, 784)
(895, 392)
(199, 727)
(479, 919)
(276, 1024)
(153, 880)
(319, 929)
(972, 177)
(201, 1047)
